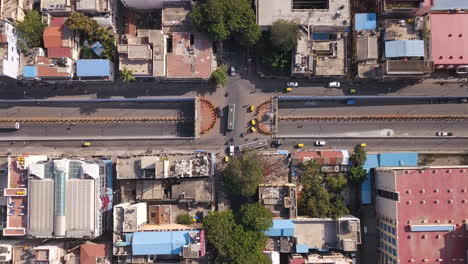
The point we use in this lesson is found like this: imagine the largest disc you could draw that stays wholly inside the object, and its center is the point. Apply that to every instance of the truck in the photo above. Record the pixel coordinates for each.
(9, 126)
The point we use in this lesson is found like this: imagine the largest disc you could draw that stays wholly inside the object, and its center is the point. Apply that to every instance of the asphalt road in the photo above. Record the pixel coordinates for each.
(394, 128)
(87, 131)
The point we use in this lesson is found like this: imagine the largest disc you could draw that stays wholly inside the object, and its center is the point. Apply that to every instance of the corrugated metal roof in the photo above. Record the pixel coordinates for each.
(404, 48)
(281, 227)
(159, 243)
(93, 68)
(80, 207)
(365, 21)
(449, 5)
(301, 248)
(41, 208)
(59, 52)
(432, 228)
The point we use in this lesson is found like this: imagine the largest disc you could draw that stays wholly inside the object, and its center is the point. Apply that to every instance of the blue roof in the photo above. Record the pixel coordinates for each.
(384, 160)
(404, 48)
(160, 243)
(321, 36)
(365, 21)
(281, 228)
(93, 68)
(301, 248)
(29, 72)
(449, 4)
(432, 228)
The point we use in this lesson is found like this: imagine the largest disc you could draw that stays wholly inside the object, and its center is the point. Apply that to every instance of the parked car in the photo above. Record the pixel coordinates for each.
(334, 84)
(292, 84)
(289, 89)
(231, 150)
(232, 71)
(320, 143)
(219, 112)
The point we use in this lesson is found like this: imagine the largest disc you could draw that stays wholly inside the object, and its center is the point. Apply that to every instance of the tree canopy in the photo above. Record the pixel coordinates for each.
(320, 197)
(359, 156)
(357, 174)
(127, 76)
(219, 76)
(231, 242)
(255, 217)
(80, 22)
(30, 31)
(284, 34)
(222, 19)
(243, 174)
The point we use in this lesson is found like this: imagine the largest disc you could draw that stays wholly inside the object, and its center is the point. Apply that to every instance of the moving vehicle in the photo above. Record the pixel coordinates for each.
(253, 129)
(226, 159)
(231, 150)
(292, 84)
(252, 108)
(320, 143)
(219, 112)
(231, 117)
(363, 145)
(350, 101)
(86, 144)
(232, 71)
(289, 89)
(300, 145)
(444, 134)
(253, 122)
(334, 84)
(9, 126)
(352, 91)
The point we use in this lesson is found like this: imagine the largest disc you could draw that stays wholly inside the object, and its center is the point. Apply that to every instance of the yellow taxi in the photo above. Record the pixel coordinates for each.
(300, 145)
(87, 144)
(363, 145)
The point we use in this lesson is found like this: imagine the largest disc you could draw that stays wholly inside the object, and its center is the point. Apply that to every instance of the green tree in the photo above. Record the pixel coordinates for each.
(243, 174)
(184, 219)
(219, 76)
(336, 183)
(222, 19)
(30, 31)
(80, 22)
(219, 227)
(339, 208)
(127, 76)
(255, 217)
(357, 174)
(284, 34)
(359, 156)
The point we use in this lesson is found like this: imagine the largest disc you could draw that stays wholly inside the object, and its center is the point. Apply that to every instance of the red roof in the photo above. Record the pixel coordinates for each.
(90, 251)
(449, 37)
(59, 52)
(52, 37)
(47, 71)
(439, 196)
(57, 21)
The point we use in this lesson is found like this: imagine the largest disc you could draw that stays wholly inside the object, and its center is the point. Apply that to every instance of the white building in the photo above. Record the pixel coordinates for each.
(9, 53)
(68, 198)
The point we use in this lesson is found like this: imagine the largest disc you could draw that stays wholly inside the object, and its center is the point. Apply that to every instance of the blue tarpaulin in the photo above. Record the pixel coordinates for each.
(98, 48)
(29, 72)
(93, 68)
(384, 160)
(300, 248)
(160, 242)
(404, 48)
(365, 21)
(281, 228)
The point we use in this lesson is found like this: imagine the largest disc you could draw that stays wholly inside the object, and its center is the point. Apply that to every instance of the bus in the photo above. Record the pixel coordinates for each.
(231, 117)
(9, 126)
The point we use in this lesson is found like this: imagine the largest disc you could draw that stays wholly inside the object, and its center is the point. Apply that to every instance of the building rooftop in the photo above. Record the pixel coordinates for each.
(280, 199)
(191, 56)
(365, 21)
(93, 68)
(367, 48)
(430, 210)
(281, 228)
(401, 29)
(196, 190)
(402, 67)
(327, 157)
(448, 34)
(94, 253)
(335, 258)
(59, 6)
(167, 242)
(183, 165)
(16, 197)
(404, 48)
(314, 13)
(446, 5)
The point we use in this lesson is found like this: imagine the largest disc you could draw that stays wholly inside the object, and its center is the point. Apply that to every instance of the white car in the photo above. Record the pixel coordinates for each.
(442, 134)
(231, 150)
(334, 84)
(292, 84)
(232, 71)
(320, 143)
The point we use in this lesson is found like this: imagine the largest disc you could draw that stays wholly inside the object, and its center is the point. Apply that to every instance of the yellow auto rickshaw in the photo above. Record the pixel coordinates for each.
(252, 108)
(352, 91)
(253, 129)
(289, 89)
(300, 145)
(363, 145)
(253, 122)
(226, 159)
(87, 144)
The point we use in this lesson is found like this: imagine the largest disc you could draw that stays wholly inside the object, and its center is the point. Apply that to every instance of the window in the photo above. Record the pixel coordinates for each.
(394, 241)
(394, 252)
(389, 195)
(393, 231)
